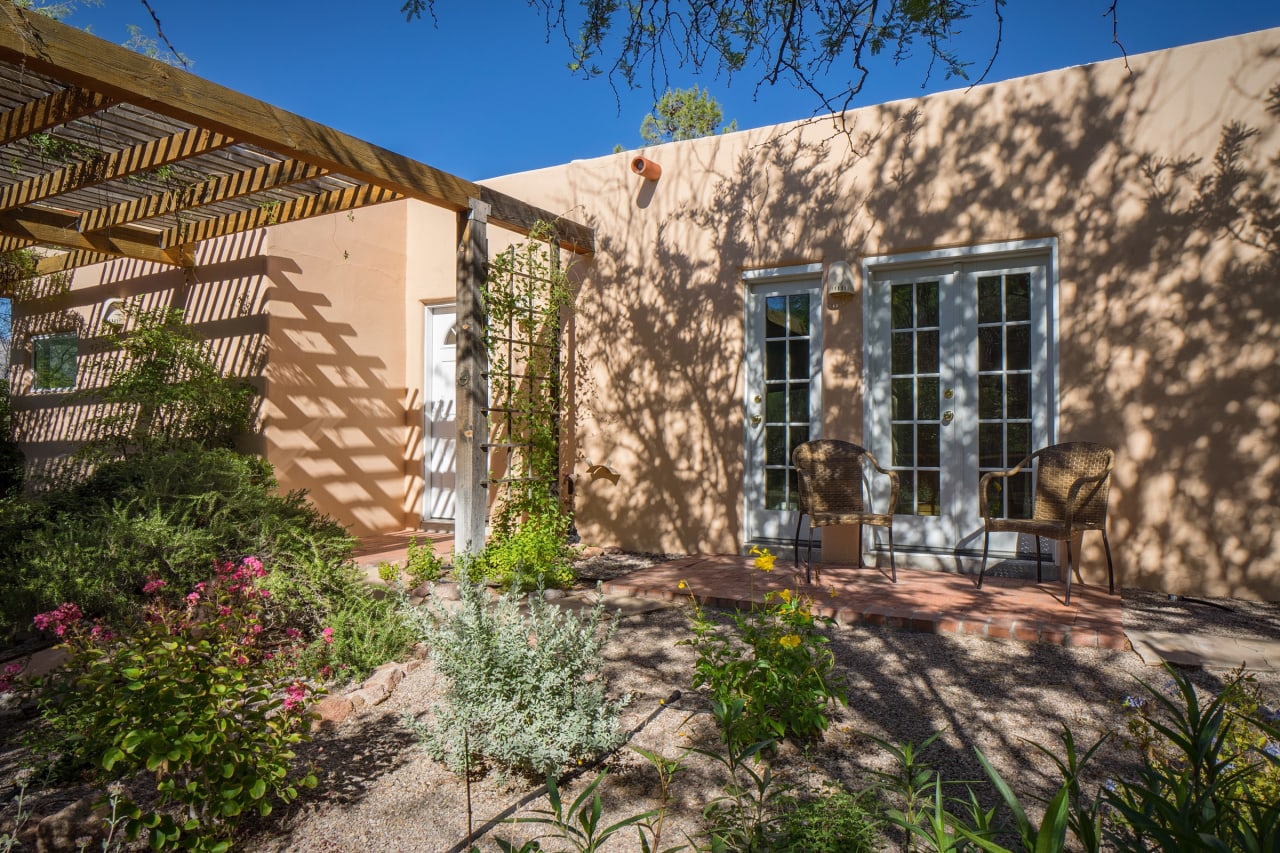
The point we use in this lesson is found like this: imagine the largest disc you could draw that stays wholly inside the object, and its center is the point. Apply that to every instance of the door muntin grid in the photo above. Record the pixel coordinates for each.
(988, 398)
(916, 387)
(1005, 403)
(788, 348)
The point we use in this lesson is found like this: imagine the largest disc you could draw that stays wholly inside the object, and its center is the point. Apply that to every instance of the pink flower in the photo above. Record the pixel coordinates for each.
(59, 619)
(254, 566)
(265, 593)
(100, 633)
(241, 660)
(294, 695)
(292, 633)
(224, 610)
(153, 585)
(327, 634)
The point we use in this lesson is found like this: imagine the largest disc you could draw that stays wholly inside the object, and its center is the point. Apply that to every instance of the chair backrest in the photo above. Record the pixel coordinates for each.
(1059, 492)
(830, 474)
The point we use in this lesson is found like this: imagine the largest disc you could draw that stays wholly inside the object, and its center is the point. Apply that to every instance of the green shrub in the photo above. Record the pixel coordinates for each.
(524, 692)
(534, 554)
(422, 564)
(170, 516)
(773, 662)
(164, 390)
(367, 632)
(11, 459)
(839, 821)
(188, 696)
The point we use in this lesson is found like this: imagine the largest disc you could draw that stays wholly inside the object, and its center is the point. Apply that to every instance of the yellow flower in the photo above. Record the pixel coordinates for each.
(785, 595)
(682, 585)
(790, 641)
(764, 560)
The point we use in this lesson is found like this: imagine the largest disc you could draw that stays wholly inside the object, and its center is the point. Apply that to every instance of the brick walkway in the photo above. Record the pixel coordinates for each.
(928, 601)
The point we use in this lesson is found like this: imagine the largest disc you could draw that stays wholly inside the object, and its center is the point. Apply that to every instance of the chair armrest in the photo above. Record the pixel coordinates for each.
(1076, 488)
(987, 477)
(893, 480)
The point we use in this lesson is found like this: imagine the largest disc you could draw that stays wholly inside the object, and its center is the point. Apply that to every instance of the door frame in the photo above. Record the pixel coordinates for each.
(429, 314)
(802, 277)
(951, 261)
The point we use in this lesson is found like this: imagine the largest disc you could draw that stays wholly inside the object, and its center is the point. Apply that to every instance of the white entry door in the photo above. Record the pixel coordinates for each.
(783, 393)
(440, 414)
(960, 382)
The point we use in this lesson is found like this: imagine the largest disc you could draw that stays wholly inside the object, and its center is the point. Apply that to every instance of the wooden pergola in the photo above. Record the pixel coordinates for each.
(106, 154)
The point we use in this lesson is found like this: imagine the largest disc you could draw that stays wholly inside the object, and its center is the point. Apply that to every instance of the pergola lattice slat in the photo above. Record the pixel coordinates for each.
(59, 108)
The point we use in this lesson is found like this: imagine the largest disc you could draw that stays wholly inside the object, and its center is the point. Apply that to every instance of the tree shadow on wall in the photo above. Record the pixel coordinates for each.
(1167, 337)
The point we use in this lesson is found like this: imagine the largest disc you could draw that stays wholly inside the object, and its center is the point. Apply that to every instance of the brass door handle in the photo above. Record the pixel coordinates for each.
(948, 416)
(755, 420)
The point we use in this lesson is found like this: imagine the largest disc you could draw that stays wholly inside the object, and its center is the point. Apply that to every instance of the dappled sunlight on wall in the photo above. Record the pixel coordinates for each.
(1158, 186)
(222, 300)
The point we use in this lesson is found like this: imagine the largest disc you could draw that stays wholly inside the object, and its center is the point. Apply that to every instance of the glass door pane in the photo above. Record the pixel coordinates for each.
(916, 419)
(1004, 388)
(787, 384)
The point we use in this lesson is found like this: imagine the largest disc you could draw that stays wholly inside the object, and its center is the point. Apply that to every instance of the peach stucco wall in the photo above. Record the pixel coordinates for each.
(1166, 300)
(1168, 338)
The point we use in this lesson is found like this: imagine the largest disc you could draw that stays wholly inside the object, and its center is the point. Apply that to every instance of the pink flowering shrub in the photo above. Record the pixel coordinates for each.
(204, 695)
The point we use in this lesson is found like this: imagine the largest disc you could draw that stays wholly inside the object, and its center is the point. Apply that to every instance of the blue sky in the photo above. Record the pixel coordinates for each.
(484, 93)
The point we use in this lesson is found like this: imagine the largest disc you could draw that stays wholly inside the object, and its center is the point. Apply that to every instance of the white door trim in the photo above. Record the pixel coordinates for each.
(760, 525)
(950, 265)
(436, 506)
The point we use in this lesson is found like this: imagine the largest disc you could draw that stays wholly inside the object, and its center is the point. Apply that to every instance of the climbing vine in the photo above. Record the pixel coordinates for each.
(526, 295)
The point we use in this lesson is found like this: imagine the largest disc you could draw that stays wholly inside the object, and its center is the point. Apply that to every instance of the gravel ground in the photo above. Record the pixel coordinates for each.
(380, 792)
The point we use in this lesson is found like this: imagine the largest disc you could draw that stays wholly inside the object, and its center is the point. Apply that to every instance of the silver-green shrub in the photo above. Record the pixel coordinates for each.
(525, 691)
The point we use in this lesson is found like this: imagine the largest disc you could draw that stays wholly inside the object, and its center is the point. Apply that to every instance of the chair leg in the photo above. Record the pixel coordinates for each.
(986, 540)
(808, 559)
(1039, 561)
(1068, 600)
(795, 540)
(1111, 575)
(893, 565)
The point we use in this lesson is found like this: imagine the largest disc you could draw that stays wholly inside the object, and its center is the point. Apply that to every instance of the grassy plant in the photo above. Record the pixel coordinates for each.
(578, 828)
(524, 691)
(742, 818)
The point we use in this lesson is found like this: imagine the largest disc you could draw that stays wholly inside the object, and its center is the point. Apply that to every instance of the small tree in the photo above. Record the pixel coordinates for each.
(166, 391)
(684, 114)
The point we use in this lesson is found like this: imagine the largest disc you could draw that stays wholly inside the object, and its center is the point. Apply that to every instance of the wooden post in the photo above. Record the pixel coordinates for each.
(471, 478)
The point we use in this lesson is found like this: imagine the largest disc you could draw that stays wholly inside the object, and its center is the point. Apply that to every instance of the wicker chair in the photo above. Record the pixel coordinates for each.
(831, 493)
(1071, 486)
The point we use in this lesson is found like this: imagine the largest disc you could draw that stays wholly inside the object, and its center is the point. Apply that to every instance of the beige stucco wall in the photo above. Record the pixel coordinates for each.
(1168, 338)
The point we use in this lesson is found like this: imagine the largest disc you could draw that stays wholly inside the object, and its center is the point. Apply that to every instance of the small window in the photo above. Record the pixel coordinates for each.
(53, 361)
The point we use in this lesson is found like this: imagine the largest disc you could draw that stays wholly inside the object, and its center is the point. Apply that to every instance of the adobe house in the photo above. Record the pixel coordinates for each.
(952, 280)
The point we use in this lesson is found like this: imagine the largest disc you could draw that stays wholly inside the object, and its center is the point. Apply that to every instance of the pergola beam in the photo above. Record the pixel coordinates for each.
(47, 226)
(67, 54)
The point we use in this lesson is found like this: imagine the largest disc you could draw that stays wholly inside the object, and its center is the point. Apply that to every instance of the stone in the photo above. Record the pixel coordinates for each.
(386, 677)
(553, 594)
(412, 666)
(368, 696)
(331, 711)
(591, 551)
(445, 591)
(76, 822)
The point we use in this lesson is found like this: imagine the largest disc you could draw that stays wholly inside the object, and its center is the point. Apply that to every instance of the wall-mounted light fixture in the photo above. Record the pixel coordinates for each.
(114, 314)
(841, 283)
(646, 168)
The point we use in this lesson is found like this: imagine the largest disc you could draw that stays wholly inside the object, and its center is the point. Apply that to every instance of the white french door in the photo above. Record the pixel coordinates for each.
(783, 393)
(960, 381)
(440, 413)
